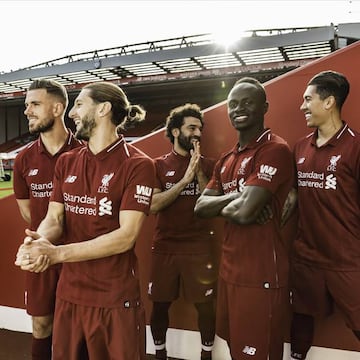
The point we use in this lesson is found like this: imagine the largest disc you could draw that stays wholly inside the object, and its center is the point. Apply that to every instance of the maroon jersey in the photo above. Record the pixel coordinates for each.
(94, 189)
(329, 201)
(33, 176)
(178, 229)
(255, 255)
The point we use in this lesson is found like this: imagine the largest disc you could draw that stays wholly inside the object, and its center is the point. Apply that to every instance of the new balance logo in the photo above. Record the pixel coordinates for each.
(249, 350)
(209, 292)
(330, 182)
(150, 288)
(143, 190)
(105, 207)
(170, 173)
(71, 179)
(33, 172)
(301, 160)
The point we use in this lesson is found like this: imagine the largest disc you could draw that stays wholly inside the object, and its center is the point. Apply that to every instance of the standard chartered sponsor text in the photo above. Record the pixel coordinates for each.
(311, 179)
(39, 190)
(83, 200)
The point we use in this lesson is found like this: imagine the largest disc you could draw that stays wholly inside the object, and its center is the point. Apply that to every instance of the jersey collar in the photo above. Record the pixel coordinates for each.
(335, 139)
(262, 138)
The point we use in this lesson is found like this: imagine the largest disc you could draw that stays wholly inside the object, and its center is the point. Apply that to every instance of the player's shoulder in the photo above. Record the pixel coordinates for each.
(71, 153)
(27, 151)
(134, 155)
(208, 160)
(278, 140)
(76, 143)
(352, 134)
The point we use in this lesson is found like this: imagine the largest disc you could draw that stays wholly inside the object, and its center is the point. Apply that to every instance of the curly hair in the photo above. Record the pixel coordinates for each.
(176, 118)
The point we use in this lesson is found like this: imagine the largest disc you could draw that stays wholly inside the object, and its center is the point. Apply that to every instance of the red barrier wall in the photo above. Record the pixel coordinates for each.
(12, 279)
(284, 117)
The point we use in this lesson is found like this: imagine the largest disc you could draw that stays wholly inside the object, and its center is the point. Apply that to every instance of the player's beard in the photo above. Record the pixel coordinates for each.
(186, 142)
(42, 127)
(86, 127)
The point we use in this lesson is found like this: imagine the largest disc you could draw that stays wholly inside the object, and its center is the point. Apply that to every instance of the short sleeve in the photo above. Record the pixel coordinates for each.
(273, 166)
(141, 180)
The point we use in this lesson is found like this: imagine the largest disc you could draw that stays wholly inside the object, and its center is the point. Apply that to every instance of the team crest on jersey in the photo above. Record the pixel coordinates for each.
(245, 161)
(33, 172)
(104, 187)
(333, 162)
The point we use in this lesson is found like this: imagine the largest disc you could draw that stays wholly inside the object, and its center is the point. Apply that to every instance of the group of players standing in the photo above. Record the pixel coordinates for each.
(80, 241)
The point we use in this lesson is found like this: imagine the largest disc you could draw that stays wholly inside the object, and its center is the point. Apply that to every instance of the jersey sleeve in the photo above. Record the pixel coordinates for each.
(139, 190)
(56, 194)
(208, 168)
(215, 181)
(21, 188)
(158, 173)
(273, 166)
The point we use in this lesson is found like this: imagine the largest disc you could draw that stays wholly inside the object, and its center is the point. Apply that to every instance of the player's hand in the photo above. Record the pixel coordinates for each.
(35, 254)
(265, 215)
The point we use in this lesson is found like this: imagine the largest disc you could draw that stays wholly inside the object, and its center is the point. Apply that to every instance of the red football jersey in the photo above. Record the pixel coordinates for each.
(94, 189)
(255, 255)
(33, 176)
(329, 201)
(178, 230)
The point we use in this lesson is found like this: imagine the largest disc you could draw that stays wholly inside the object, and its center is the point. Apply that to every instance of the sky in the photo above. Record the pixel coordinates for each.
(34, 32)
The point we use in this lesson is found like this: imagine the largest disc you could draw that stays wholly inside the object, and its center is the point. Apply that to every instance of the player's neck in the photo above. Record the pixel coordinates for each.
(179, 150)
(55, 138)
(101, 138)
(327, 130)
(245, 137)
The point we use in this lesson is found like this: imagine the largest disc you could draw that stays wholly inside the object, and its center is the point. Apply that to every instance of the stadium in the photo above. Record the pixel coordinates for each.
(158, 75)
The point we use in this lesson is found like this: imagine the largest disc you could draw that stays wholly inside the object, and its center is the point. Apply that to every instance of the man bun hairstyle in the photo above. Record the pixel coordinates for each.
(124, 114)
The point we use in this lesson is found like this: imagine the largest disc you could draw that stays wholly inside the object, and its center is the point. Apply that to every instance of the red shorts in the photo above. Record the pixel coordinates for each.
(253, 321)
(83, 332)
(315, 291)
(195, 275)
(41, 291)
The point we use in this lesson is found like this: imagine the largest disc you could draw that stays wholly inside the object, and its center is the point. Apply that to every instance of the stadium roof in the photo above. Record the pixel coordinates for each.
(271, 51)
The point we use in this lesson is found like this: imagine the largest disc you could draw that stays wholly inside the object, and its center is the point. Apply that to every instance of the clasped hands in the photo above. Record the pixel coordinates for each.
(35, 254)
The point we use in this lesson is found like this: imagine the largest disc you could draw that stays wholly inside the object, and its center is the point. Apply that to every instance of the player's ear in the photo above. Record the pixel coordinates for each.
(175, 132)
(58, 109)
(329, 102)
(266, 107)
(104, 108)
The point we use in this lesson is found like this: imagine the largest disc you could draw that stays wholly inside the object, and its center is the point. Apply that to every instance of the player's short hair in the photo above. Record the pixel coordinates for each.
(253, 81)
(331, 83)
(53, 88)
